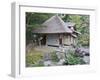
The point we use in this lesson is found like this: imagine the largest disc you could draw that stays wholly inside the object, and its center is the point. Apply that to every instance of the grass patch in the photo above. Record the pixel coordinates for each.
(33, 57)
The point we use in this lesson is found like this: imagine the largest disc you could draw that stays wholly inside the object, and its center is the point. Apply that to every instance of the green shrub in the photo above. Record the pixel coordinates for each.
(54, 57)
(84, 40)
(73, 59)
(33, 58)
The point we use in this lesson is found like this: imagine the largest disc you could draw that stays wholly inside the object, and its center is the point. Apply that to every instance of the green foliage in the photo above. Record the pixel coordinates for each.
(37, 65)
(36, 18)
(54, 57)
(80, 21)
(28, 34)
(66, 18)
(73, 59)
(33, 57)
(82, 26)
(84, 40)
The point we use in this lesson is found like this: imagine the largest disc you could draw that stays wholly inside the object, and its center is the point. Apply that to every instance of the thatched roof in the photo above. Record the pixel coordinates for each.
(55, 25)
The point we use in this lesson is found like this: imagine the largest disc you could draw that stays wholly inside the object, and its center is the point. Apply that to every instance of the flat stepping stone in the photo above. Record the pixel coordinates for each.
(61, 62)
(86, 59)
(48, 63)
(47, 56)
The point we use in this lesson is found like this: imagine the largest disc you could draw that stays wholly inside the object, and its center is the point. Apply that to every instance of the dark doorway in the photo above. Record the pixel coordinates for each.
(43, 41)
(60, 41)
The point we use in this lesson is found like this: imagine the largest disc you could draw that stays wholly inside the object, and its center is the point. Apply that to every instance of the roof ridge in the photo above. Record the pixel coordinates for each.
(48, 20)
(61, 22)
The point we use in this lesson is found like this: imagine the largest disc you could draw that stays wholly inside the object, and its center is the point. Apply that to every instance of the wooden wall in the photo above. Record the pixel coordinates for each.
(68, 40)
(53, 39)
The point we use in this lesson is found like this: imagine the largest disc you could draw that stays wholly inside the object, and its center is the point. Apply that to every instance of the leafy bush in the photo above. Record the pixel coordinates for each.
(54, 57)
(72, 59)
(84, 40)
(33, 58)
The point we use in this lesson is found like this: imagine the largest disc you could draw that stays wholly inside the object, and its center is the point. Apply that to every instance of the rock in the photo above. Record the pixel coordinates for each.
(82, 52)
(61, 62)
(40, 62)
(86, 59)
(48, 63)
(60, 55)
(47, 57)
